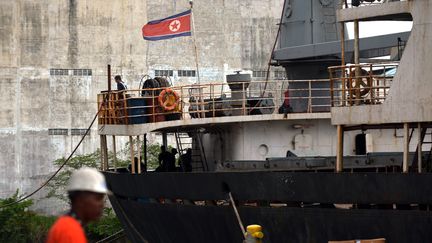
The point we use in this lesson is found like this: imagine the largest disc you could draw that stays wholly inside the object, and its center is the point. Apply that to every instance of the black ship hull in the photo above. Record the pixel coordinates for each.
(291, 207)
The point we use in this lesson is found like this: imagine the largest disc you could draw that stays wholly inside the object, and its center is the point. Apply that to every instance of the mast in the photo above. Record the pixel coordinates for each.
(194, 42)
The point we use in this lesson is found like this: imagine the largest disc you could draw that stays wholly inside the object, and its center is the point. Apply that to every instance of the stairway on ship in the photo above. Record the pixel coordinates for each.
(192, 140)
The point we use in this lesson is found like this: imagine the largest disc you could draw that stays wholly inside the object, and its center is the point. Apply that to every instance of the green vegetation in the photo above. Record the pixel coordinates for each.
(19, 224)
(57, 186)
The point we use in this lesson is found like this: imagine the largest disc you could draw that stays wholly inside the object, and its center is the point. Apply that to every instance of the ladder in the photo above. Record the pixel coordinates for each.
(423, 134)
(193, 141)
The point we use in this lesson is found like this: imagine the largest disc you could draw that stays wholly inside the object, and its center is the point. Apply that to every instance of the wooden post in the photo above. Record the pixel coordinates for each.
(145, 152)
(339, 149)
(101, 153)
(343, 83)
(132, 154)
(164, 140)
(139, 154)
(104, 152)
(109, 79)
(357, 62)
(115, 153)
(109, 95)
(406, 148)
(342, 36)
(310, 97)
(243, 99)
(419, 148)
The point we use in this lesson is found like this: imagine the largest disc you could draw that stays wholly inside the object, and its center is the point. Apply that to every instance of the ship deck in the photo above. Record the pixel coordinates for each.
(190, 124)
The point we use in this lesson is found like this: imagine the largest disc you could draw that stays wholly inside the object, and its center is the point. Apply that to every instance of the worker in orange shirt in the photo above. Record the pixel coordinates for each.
(86, 190)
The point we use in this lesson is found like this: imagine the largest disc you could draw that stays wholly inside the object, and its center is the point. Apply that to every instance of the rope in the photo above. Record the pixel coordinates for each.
(61, 166)
(271, 57)
(112, 237)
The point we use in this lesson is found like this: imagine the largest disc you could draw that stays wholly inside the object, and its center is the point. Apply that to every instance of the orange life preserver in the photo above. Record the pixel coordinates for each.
(168, 99)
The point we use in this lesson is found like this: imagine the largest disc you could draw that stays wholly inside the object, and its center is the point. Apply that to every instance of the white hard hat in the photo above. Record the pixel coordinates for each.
(87, 179)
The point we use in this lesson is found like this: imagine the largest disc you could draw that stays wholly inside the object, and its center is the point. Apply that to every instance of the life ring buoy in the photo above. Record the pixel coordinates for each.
(168, 99)
(364, 87)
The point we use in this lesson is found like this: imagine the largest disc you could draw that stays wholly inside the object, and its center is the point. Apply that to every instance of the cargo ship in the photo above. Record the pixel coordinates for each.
(338, 151)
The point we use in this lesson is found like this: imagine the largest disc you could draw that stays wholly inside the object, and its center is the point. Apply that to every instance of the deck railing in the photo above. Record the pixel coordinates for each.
(216, 100)
(364, 84)
(361, 3)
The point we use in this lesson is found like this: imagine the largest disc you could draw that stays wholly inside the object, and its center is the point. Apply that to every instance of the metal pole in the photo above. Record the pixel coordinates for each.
(194, 42)
(237, 214)
(406, 148)
(339, 149)
(419, 148)
(115, 153)
(132, 154)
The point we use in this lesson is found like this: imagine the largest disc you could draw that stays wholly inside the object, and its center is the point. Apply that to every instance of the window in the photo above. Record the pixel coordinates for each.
(59, 72)
(186, 73)
(75, 72)
(280, 75)
(167, 73)
(77, 131)
(259, 74)
(82, 72)
(57, 131)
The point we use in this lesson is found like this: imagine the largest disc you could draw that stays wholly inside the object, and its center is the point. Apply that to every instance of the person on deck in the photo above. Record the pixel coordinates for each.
(186, 161)
(121, 89)
(136, 165)
(86, 190)
(171, 162)
(120, 84)
(163, 159)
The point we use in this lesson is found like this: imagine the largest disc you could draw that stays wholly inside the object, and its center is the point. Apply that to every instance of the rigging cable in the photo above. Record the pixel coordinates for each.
(271, 58)
(62, 165)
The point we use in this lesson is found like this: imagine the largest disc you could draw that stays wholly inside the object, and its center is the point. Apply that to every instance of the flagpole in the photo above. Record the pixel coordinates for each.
(194, 42)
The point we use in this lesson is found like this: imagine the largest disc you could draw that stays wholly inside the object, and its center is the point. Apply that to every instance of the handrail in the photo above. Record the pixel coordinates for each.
(362, 3)
(216, 100)
(362, 84)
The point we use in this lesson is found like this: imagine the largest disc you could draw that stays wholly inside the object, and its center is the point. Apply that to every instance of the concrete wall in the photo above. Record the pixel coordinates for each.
(38, 37)
(237, 34)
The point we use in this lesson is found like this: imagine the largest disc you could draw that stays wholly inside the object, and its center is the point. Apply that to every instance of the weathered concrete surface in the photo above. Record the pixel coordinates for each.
(410, 98)
(239, 34)
(36, 36)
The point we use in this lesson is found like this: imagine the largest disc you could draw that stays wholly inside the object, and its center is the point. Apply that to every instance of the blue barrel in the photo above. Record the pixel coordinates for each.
(136, 111)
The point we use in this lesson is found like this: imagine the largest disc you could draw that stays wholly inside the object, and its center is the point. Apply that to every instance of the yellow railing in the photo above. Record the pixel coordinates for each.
(364, 84)
(216, 100)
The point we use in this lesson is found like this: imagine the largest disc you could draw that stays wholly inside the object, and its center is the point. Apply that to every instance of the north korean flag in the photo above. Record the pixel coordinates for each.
(169, 27)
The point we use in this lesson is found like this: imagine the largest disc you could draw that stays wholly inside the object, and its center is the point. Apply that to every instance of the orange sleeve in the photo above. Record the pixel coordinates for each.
(66, 230)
